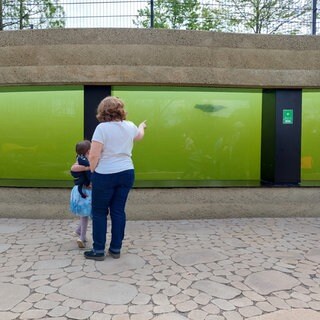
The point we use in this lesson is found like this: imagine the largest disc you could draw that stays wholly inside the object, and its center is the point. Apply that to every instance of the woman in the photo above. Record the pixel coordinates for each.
(112, 175)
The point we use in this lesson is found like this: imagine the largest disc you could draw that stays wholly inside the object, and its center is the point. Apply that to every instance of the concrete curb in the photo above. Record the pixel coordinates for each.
(177, 203)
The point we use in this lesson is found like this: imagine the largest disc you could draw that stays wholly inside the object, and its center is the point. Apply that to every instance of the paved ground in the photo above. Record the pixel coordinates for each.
(257, 269)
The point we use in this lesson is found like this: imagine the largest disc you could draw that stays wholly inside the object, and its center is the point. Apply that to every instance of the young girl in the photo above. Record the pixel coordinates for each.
(80, 198)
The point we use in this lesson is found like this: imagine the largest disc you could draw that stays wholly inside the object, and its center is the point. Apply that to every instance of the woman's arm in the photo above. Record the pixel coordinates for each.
(141, 128)
(95, 154)
(79, 168)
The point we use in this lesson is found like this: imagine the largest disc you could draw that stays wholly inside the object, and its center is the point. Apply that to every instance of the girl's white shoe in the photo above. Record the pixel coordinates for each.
(81, 244)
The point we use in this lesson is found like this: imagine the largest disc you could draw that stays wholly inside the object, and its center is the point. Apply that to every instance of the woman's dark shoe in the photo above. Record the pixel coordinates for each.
(93, 255)
(114, 255)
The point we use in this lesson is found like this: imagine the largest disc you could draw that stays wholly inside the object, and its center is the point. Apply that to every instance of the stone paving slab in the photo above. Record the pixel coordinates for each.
(213, 269)
(290, 315)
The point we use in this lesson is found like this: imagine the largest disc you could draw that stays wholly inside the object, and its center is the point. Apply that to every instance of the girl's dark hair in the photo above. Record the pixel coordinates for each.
(111, 109)
(83, 147)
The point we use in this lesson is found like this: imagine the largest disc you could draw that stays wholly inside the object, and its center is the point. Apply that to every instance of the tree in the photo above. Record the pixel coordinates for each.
(178, 14)
(267, 16)
(38, 14)
(253, 16)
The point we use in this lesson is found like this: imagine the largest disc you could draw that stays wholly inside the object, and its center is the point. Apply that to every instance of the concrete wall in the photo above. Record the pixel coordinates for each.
(153, 56)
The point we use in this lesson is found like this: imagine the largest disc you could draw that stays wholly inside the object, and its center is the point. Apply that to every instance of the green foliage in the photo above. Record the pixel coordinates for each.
(179, 14)
(268, 16)
(254, 16)
(38, 14)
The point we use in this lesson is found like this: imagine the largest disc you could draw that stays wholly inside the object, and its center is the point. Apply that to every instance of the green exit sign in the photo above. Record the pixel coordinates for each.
(287, 116)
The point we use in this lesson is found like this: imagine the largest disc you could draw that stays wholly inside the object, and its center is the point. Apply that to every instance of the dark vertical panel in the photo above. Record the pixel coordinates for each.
(281, 137)
(268, 135)
(288, 148)
(92, 97)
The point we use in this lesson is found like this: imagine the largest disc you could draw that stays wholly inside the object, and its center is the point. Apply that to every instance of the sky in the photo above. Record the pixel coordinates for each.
(101, 13)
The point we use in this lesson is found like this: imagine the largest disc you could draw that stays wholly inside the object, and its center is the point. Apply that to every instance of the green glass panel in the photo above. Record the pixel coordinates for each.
(39, 127)
(195, 136)
(310, 137)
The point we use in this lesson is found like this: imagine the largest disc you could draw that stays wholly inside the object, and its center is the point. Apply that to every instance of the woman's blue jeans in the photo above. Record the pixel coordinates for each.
(109, 192)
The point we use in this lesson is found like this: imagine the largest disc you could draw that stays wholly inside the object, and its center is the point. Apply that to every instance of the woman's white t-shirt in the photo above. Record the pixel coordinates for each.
(117, 139)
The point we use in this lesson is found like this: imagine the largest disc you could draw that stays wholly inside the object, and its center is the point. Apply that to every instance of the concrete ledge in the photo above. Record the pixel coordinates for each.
(158, 57)
(157, 204)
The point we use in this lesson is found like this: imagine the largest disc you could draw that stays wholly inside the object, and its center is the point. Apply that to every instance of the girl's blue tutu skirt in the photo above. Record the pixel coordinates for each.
(78, 205)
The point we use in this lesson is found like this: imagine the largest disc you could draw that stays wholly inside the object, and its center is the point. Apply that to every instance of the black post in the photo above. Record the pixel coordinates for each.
(151, 13)
(281, 137)
(21, 15)
(1, 16)
(92, 97)
(314, 17)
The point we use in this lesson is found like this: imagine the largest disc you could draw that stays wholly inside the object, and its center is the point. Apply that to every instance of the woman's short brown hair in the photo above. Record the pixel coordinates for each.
(111, 109)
